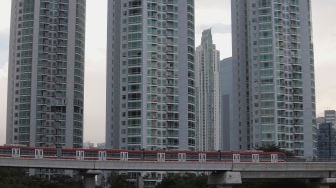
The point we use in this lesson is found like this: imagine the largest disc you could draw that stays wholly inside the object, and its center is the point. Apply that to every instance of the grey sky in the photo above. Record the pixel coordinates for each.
(213, 14)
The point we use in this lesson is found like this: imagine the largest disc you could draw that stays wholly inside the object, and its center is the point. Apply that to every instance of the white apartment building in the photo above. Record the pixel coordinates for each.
(274, 82)
(150, 75)
(46, 73)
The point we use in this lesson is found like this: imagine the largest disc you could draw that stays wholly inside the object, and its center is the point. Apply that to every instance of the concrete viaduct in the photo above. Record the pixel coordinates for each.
(223, 174)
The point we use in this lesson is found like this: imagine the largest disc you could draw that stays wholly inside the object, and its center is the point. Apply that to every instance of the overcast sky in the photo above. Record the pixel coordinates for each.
(209, 13)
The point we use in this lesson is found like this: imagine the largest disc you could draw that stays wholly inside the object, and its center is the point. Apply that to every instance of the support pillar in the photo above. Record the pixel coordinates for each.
(223, 186)
(90, 178)
(140, 182)
(225, 179)
(326, 183)
(89, 181)
(323, 186)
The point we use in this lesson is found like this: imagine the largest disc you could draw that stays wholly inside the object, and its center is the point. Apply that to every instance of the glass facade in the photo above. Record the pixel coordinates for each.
(326, 146)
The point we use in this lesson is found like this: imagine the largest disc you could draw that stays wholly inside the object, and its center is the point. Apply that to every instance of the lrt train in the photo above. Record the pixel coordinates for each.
(139, 155)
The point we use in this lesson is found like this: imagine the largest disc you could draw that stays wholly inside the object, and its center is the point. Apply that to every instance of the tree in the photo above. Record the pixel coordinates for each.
(185, 181)
(194, 181)
(119, 181)
(17, 178)
(279, 183)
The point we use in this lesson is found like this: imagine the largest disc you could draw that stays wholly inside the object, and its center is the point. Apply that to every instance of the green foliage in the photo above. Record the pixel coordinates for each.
(185, 181)
(119, 181)
(281, 183)
(17, 178)
(193, 181)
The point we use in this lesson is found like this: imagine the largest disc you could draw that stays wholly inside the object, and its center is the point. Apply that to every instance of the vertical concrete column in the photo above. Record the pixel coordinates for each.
(223, 186)
(89, 181)
(140, 182)
(225, 179)
(326, 182)
(90, 178)
(323, 186)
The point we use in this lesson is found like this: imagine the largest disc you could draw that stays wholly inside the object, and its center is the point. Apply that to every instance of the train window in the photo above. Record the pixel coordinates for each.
(236, 158)
(134, 155)
(102, 155)
(226, 157)
(91, 154)
(80, 155)
(182, 157)
(192, 156)
(49, 153)
(202, 157)
(150, 156)
(255, 158)
(213, 156)
(38, 154)
(161, 157)
(6, 152)
(15, 152)
(172, 156)
(274, 158)
(124, 156)
(264, 157)
(113, 155)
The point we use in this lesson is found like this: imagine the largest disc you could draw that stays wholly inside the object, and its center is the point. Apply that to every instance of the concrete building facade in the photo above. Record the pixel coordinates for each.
(207, 95)
(46, 73)
(274, 81)
(150, 75)
(229, 132)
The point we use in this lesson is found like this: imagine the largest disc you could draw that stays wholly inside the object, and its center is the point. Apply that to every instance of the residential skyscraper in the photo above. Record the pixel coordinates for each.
(320, 120)
(330, 117)
(46, 73)
(150, 75)
(207, 95)
(274, 75)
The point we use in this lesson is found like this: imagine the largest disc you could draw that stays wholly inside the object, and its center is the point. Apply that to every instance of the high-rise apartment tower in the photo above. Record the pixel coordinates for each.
(330, 117)
(274, 75)
(207, 95)
(150, 75)
(46, 73)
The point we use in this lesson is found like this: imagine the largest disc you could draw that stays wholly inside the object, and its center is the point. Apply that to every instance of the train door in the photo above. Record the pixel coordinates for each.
(202, 157)
(16, 152)
(255, 158)
(38, 154)
(182, 157)
(59, 152)
(161, 157)
(124, 156)
(80, 155)
(236, 158)
(102, 155)
(274, 158)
